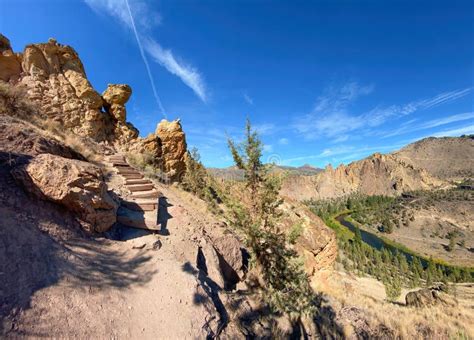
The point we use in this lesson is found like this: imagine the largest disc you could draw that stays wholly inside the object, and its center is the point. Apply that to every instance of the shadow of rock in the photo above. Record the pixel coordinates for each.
(164, 215)
(41, 244)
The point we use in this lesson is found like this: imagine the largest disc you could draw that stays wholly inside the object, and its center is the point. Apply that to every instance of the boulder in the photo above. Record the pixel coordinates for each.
(117, 94)
(428, 297)
(173, 148)
(208, 261)
(77, 185)
(228, 251)
(115, 97)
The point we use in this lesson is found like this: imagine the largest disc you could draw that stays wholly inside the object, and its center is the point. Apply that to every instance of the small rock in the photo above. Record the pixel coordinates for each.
(156, 245)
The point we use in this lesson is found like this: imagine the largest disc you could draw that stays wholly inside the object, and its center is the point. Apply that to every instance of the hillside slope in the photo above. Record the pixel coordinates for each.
(448, 158)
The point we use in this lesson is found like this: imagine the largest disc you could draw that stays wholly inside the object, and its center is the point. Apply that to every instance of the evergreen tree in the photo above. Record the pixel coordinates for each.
(258, 215)
(393, 288)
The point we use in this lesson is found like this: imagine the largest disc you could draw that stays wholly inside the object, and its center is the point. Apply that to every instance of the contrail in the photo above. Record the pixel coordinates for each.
(145, 60)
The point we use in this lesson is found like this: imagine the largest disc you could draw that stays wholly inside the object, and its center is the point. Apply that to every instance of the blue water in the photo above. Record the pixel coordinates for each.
(376, 242)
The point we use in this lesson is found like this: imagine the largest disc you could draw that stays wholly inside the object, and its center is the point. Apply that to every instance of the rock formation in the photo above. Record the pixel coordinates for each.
(375, 175)
(75, 184)
(10, 64)
(317, 243)
(428, 297)
(54, 80)
(173, 147)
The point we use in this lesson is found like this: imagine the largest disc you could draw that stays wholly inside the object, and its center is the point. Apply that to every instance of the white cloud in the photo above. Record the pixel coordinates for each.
(247, 98)
(188, 74)
(265, 128)
(467, 130)
(140, 18)
(283, 141)
(341, 138)
(406, 128)
(268, 148)
(331, 116)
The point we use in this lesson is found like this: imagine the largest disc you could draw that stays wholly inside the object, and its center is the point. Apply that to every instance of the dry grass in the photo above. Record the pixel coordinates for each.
(13, 103)
(436, 322)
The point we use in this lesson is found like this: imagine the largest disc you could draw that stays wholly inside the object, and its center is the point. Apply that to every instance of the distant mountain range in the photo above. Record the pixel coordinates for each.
(424, 165)
(232, 172)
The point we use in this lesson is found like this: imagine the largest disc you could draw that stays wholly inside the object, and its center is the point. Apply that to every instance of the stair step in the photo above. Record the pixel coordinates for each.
(137, 219)
(129, 170)
(120, 164)
(154, 194)
(132, 175)
(141, 205)
(140, 187)
(137, 181)
(117, 159)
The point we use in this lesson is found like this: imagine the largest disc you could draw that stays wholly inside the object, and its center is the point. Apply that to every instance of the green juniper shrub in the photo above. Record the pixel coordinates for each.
(258, 216)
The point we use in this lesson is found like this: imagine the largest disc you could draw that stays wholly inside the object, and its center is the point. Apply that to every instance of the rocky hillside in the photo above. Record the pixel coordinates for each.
(427, 164)
(52, 77)
(447, 158)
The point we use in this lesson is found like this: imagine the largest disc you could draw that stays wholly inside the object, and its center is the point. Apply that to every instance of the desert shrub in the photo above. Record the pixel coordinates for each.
(141, 160)
(257, 216)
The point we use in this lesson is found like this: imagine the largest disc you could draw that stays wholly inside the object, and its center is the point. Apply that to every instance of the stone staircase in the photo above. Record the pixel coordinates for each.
(140, 208)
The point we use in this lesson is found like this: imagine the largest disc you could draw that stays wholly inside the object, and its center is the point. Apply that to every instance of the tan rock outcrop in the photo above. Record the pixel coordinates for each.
(10, 67)
(77, 185)
(117, 94)
(173, 148)
(317, 243)
(54, 79)
(115, 97)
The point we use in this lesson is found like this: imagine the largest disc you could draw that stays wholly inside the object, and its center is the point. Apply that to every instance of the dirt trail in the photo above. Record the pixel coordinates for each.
(143, 286)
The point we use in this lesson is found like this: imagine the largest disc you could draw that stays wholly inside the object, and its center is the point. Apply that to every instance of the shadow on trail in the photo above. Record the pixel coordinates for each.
(255, 319)
(90, 263)
(41, 244)
(164, 215)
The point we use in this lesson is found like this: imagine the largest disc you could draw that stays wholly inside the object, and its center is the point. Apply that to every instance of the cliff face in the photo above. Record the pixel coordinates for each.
(54, 80)
(375, 175)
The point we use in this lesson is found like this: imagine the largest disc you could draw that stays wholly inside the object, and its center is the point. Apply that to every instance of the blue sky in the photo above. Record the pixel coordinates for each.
(323, 81)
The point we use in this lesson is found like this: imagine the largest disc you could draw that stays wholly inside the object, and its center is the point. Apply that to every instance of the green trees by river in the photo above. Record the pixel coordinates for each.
(394, 267)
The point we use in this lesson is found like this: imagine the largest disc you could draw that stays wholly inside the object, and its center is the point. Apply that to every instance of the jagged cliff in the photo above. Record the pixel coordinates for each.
(53, 78)
(378, 174)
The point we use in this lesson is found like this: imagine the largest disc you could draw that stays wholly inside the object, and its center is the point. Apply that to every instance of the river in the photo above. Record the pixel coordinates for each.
(376, 242)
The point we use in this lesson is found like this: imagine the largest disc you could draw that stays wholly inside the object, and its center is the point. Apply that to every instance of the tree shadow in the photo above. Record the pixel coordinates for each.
(92, 264)
(211, 290)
